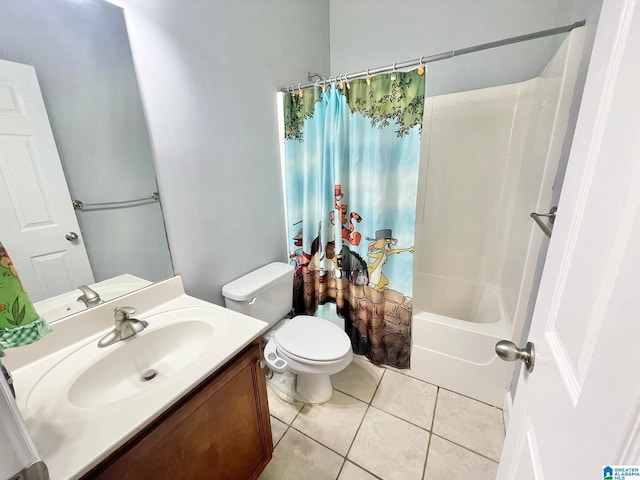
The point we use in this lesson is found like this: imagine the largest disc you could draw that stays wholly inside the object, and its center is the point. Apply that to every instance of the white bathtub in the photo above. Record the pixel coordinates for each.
(456, 325)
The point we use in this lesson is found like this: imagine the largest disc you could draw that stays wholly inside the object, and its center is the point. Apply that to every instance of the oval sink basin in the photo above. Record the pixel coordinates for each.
(93, 377)
(159, 354)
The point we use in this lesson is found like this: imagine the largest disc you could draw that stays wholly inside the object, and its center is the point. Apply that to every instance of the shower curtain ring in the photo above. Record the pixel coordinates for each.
(300, 92)
(340, 82)
(393, 75)
(421, 67)
(368, 77)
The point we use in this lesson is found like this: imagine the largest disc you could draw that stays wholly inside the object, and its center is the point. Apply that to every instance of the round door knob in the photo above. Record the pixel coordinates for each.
(71, 236)
(510, 352)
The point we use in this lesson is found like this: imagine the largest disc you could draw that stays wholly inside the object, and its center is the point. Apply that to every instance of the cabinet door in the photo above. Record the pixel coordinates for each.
(221, 431)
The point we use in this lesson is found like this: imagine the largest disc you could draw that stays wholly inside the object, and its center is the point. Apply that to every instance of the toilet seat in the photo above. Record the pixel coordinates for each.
(312, 340)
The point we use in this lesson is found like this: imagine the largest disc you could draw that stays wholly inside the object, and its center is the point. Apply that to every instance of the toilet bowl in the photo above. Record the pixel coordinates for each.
(312, 349)
(303, 352)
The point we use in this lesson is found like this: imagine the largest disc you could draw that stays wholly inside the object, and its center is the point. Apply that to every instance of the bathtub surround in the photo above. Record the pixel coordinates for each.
(490, 158)
(350, 166)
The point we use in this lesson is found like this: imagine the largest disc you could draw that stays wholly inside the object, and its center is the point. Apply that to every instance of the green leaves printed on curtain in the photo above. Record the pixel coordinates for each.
(297, 109)
(400, 100)
(383, 100)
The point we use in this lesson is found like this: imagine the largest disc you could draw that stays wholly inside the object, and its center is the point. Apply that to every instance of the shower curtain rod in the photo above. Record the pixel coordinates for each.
(440, 56)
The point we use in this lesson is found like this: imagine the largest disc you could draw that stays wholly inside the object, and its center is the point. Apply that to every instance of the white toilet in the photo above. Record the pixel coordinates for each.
(303, 352)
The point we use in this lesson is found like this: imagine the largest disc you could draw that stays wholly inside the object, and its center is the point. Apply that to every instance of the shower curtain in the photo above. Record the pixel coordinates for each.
(351, 170)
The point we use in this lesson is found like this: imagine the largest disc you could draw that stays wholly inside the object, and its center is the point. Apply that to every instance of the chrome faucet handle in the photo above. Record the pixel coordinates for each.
(125, 326)
(89, 296)
(88, 292)
(123, 313)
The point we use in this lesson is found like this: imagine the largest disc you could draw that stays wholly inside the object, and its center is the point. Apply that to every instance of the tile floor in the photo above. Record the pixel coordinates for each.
(383, 424)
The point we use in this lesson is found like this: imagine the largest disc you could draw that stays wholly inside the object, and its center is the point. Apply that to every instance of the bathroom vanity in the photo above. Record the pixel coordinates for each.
(183, 399)
(219, 430)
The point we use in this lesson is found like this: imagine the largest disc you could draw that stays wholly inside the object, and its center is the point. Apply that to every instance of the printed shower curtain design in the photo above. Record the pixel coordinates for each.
(351, 171)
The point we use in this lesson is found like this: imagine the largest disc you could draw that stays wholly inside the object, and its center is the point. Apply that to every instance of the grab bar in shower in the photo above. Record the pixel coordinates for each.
(78, 205)
(552, 218)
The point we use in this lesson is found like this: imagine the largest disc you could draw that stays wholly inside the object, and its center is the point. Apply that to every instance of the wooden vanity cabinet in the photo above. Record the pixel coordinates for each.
(220, 430)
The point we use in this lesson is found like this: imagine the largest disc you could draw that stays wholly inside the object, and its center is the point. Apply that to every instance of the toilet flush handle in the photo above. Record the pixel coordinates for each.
(253, 300)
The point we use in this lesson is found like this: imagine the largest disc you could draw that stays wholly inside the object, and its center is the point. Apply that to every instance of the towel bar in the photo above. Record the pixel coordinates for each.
(79, 205)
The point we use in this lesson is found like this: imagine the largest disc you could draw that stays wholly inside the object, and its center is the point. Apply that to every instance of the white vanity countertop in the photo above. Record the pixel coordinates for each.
(72, 439)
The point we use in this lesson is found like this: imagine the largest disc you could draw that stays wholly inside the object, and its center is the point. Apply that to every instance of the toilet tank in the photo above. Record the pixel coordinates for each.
(265, 293)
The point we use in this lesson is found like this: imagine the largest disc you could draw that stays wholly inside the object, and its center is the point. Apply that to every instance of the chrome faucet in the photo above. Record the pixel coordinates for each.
(125, 326)
(89, 297)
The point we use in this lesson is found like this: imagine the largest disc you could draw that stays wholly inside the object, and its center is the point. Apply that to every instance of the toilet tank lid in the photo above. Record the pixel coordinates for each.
(249, 285)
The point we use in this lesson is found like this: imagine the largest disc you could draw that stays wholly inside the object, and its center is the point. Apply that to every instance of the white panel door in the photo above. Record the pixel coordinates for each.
(35, 205)
(580, 407)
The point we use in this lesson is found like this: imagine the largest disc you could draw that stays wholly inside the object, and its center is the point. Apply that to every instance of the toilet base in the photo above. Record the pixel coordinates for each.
(284, 384)
(314, 388)
(305, 388)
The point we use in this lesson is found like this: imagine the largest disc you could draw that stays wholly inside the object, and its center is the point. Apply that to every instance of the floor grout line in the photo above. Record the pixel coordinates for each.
(466, 448)
(357, 431)
(344, 461)
(352, 396)
(318, 442)
(296, 416)
(377, 386)
(433, 421)
(362, 468)
(281, 437)
(470, 398)
(400, 418)
(364, 416)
